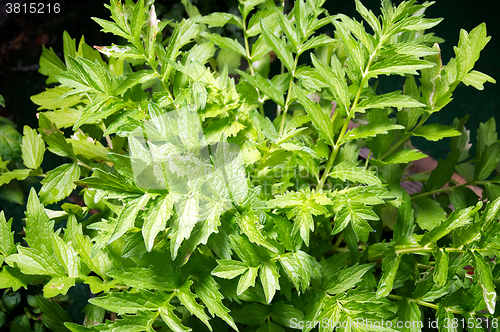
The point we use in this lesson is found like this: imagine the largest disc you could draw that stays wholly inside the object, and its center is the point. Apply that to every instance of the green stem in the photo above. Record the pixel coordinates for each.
(289, 94)
(424, 304)
(250, 62)
(442, 190)
(423, 249)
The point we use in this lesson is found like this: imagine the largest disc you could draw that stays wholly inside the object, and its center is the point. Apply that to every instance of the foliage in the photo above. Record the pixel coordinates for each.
(202, 213)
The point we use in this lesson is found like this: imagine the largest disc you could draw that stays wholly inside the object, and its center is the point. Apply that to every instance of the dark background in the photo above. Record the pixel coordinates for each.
(22, 37)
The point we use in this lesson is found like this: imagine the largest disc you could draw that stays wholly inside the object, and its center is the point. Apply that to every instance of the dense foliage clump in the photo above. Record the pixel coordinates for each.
(218, 196)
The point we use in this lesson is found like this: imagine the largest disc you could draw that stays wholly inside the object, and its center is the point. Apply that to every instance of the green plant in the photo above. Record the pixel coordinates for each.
(201, 213)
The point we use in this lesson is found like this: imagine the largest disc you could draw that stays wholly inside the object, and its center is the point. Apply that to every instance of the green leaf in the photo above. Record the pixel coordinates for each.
(410, 312)
(139, 77)
(487, 163)
(469, 47)
(35, 261)
(229, 269)
(58, 285)
(50, 65)
(54, 138)
(253, 314)
(171, 319)
(269, 278)
(188, 300)
(251, 226)
(148, 279)
(127, 216)
(59, 183)
(130, 303)
(320, 119)
(477, 79)
(155, 219)
(10, 141)
(207, 290)
(32, 148)
(337, 84)
(7, 245)
(220, 19)
(39, 228)
(393, 99)
(441, 269)
(247, 280)
(225, 43)
(54, 316)
(483, 275)
(137, 20)
(300, 269)
(456, 220)
(369, 17)
(402, 157)
(428, 213)
(279, 48)
(443, 172)
(2, 101)
(369, 130)
(18, 174)
(346, 278)
(284, 314)
(357, 174)
(435, 132)
(264, 86)
(398, 64)
(390, 265)
(13, 278)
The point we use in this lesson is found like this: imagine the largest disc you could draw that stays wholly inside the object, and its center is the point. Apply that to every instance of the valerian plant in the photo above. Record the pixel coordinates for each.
(204, 211)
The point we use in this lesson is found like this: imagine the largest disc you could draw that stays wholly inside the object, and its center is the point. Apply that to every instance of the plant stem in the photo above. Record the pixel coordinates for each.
(442, 190)
(289, 94)
(250, 63)
(423, 303)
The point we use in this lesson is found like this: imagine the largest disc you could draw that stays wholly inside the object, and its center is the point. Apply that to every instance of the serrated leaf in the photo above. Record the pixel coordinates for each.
(207, 290)
(441, 269)
(171, 319)
(264, 86)
(127, 216)
(390, 266)
(279, 48)
(39, 228)
(247, 280)
(253, 314)
(337, 84)
(35, 261)
(7, 245)
(300, 269)
(146, 278)
(58, 286)
(435, 132)
(410, 312)
(10, 142)
(369, 130)
(54, 138)
(32, 148)
(13, 278)
(443, 172)
(319, 118)
(229, 269)
(50, 65)
(477, 79)
(402, 157)
(349, 172)
(482, 273)
(226, 43)
(346, 278)
(188, 299)
(130, 303)
(59, 183)
(269, 278)
(392, 99)
(399, 65)
(155, 219)
(251, 226)
(18, 174)
(54, 316)
(220, 19)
